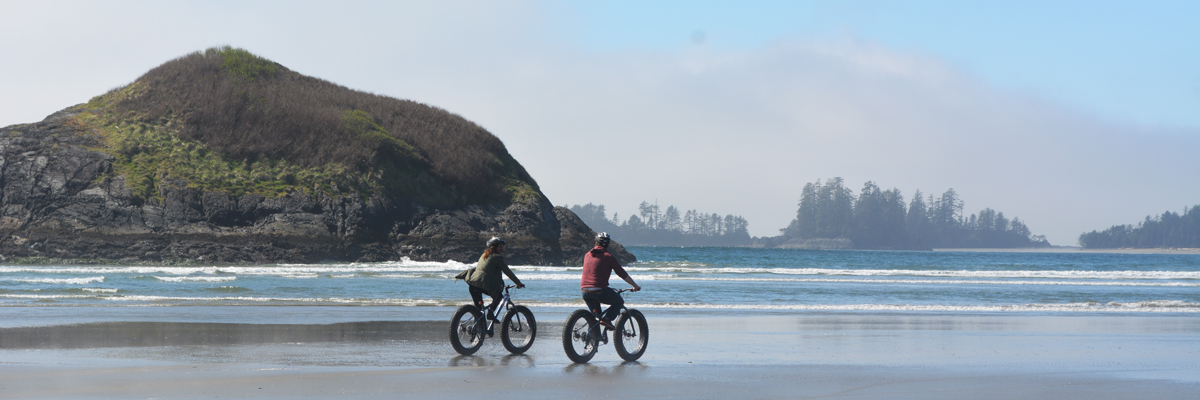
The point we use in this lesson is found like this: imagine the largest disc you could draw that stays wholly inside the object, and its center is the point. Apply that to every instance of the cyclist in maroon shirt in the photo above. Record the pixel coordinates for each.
(598, 265)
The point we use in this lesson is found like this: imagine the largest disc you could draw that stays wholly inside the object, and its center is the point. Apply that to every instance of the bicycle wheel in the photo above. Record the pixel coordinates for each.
(579, 337)
(462, 333)
(518, 330)
(631, 336)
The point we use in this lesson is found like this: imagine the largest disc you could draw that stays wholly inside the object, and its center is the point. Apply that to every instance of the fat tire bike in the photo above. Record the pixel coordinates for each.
(468, 328)
(583, 334)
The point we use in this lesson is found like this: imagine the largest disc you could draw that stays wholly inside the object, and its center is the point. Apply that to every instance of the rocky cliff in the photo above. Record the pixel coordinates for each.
(227, 169)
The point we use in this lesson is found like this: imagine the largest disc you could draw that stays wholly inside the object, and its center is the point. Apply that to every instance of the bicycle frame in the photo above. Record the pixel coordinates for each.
(505, 304)
(583, 333)
(596, 317)
(471, 324)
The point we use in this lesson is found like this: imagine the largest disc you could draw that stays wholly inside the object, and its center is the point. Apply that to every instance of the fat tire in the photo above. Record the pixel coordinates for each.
(631, 326)
(517, 319)
(460, 329)
(568, 337)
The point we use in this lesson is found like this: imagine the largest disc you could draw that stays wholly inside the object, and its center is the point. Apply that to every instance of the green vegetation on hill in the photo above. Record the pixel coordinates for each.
(228, 120)
(241, 63)
(149, 156)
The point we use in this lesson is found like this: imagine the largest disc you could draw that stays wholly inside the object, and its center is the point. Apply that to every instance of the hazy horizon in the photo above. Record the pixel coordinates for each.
(1072, 116)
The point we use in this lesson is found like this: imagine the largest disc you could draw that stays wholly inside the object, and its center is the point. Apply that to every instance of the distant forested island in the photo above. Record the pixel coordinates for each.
(654, 226)
(1167, 230)
(830, 215)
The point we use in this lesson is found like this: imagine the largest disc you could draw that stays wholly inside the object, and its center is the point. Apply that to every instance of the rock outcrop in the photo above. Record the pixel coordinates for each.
(60, 199)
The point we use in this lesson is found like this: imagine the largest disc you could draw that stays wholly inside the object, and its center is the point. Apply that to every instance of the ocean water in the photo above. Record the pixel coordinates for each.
(682, 279)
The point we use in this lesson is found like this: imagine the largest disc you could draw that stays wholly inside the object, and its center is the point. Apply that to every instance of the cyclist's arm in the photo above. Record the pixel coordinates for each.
(625, 275)
(510, 274)
(631, 283)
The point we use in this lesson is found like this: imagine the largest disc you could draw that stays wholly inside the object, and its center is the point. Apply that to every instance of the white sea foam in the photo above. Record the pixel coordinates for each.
(407, 266)
(48, 296)
(932, 273)
(536, 268)
(196, 278)
(931, 281)
(61, 281)
(299, 270)
(100, 290)
(679, 277)
(420, 276)
(575, 277)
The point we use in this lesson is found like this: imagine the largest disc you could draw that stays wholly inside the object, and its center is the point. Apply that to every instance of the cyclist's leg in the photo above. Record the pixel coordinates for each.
(593, 304)
(492, 307)
(477, 297)
(614, 301)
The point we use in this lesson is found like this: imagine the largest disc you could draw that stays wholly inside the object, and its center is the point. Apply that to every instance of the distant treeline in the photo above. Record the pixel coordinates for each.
(1167, 230)
(879, 219)
(654, 226)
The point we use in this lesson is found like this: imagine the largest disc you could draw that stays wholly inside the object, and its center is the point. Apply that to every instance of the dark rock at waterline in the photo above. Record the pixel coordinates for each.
(59, 201)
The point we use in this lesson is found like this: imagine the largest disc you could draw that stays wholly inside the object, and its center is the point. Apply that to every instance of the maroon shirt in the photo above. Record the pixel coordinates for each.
(598, 265)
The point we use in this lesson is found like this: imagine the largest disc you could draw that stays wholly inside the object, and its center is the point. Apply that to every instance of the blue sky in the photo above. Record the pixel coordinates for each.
(1073, 116)
(1130, 61)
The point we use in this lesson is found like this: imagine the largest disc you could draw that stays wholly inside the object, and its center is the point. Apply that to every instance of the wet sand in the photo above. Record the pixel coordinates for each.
(766, 356)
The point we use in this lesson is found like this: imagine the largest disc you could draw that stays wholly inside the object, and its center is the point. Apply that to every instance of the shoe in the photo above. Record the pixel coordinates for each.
(490, 332)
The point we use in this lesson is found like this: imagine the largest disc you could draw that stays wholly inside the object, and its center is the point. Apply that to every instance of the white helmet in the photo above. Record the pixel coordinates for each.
(602, 239)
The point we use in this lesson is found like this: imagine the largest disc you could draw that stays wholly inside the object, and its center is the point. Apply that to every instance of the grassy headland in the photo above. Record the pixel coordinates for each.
(227, 120)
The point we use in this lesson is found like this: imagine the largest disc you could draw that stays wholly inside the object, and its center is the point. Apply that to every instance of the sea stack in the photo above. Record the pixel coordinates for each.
(222, 156)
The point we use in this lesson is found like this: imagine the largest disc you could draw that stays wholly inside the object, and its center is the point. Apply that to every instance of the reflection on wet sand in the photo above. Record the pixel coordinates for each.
(152, 334)
(510, 360)
(604, 370)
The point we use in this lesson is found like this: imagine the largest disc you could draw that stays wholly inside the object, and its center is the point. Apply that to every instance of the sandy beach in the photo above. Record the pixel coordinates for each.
(765, 356)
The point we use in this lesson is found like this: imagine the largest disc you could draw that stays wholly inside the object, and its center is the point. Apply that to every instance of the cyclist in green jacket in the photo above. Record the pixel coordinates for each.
(486, 278)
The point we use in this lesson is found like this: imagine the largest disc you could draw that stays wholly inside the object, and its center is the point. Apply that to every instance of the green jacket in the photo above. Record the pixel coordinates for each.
(486, 274)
